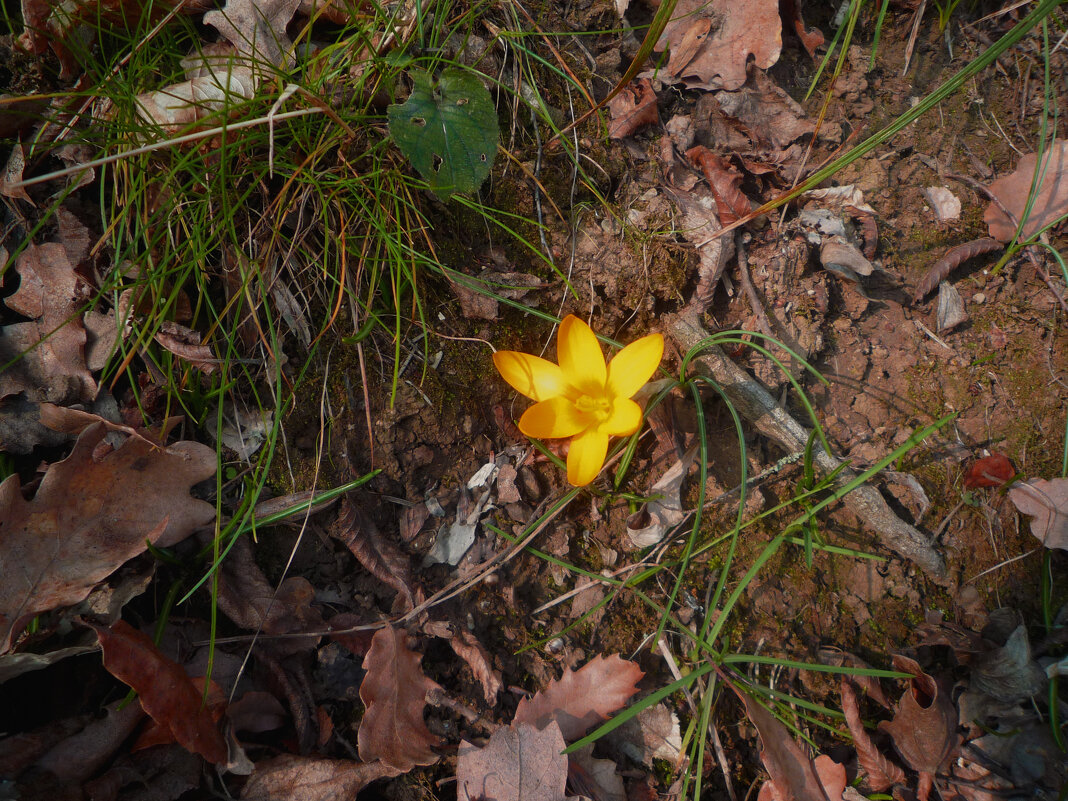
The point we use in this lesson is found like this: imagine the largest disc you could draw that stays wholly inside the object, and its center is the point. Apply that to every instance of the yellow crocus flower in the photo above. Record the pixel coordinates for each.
(582, 397)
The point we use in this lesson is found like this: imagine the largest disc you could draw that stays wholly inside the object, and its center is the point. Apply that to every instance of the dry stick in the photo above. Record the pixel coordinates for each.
(757, 406)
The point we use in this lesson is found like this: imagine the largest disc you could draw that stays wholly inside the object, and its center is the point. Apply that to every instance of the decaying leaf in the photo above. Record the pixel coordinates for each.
(594, 778)
(924, 729)
(793, 774)
(649, 524)
(725, 181)
(251, 602)
(654, 733)
(581, 699)
(1047, 504)
(394, 692)
(632, 108)
(469, 649)
(881, 772)
(1051, 197)
(217, 78)
(89, 516)
(830, 774)
(770, 116)
(11, 179)
(44, 357)
(710, 42)
(990, 471)
(1008, 674)
(382, 558)
(165, 691)
(288, 777)
(950, 311)
(257, 28)
(519, 763)
(185, 343)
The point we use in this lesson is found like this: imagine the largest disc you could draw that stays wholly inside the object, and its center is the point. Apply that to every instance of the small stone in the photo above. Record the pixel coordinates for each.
(979, 297)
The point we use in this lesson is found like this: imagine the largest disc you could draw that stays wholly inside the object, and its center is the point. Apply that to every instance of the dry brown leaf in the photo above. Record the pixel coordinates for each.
(881, 772)
(1047, 504)
(793, 773)
(1051, 198)
(770, 116)
(76, 758)
(469, 649)
(289, 777)
(924, 729)
(725, 181)
(382, 558)
(654, 519)
(394, 692)
(165, 691)
(711, 41)
(519, 763)
(252, 603)
(185, 343)
(632, 108)
(91, 515)
(257, 28)
(12, 177)
(581, 699)
(810, 39)
(594, 778)
(44, 358)
(831, 776)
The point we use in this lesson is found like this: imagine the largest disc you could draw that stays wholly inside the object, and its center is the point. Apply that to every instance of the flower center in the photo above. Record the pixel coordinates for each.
(599, 407)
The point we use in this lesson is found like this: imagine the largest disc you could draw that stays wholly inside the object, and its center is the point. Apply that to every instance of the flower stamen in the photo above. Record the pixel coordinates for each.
(599, 407)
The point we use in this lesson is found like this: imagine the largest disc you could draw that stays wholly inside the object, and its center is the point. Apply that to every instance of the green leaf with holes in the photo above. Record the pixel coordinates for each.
(448, 130)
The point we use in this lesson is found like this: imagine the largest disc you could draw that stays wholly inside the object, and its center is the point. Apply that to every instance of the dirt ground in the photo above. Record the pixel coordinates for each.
(889, 371)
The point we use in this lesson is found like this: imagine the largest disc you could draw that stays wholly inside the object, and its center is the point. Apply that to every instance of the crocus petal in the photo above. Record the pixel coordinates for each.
(634, 365)
(532, 376)
(626, 418)
(556, 417)
(586, 457)
(580, 357)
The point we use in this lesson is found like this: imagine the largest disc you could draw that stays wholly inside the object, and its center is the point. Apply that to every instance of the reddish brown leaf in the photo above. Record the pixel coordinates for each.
(165, 691)
(382, 558)
(359, 642)
(78, 757)
(954, 257)
(519, 763)
(790, 10)
(394, 691)
(45, 357)
(881, 771)
(469, 649)
(289, 777)
(725, 181)
(185, 344)
(711, 42)
(924, 730)
(1047, 504)
(1051, 197)
(91, 515)
(990, 471)
(252, 603)
(793, 773)
(581, 699)
(632, 108)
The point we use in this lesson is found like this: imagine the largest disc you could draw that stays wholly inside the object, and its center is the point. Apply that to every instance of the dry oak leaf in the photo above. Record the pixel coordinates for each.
(89, 516)
(711, 41)
(1051, 197)
(394, 692)
(164, 689)
(793, 774)
(1047, 504)
(581, 699)
(45, 357)
(288, 777)
(632, 108)
(520, 762)
(257, 28)
(881, 772)
(924, 729)
(725, 181)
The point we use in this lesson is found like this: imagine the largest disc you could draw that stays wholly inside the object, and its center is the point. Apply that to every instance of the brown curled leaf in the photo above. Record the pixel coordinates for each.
(953, 259)
(381, 557)
(881, 772)
(869, 230)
